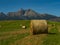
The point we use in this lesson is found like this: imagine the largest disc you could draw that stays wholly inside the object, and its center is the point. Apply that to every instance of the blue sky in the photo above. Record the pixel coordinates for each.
(41, 6)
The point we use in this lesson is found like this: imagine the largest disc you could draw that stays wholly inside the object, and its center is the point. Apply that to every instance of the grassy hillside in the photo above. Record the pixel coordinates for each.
(11, 33)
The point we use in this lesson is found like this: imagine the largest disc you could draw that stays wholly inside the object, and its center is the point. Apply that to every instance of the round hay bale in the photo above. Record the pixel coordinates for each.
(23, 27)
(39, 26)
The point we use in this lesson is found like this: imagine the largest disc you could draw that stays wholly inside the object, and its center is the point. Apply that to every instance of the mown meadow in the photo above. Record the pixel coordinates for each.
(53, 38)
(11, 32)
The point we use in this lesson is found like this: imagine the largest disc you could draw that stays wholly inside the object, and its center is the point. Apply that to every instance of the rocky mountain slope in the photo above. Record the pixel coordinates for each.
(27, 15)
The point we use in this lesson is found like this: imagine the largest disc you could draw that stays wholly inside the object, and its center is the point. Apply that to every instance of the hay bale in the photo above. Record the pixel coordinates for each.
(53, 25)
(39, 26)
(23, 27)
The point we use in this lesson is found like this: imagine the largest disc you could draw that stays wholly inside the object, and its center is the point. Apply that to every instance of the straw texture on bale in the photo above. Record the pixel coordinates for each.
(39, 26)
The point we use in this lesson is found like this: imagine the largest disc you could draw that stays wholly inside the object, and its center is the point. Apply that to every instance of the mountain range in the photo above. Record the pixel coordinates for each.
(27, 14)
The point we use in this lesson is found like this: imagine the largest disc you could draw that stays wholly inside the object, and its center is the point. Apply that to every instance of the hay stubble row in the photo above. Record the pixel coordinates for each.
(34, 39)
(31, 39)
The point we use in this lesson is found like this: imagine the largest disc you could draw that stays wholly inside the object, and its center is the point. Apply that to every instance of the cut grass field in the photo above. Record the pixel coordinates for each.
(11, 33)
(13, 25)
(54, 37)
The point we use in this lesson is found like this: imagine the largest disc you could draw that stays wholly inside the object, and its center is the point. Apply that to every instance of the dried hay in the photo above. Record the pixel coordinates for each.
(39, 26)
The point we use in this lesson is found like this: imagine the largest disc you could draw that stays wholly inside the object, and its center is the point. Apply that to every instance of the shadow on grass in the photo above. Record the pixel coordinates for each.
(50, 33)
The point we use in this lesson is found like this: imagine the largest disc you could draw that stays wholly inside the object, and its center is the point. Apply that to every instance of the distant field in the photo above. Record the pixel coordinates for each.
(11, 33)
(13, 25)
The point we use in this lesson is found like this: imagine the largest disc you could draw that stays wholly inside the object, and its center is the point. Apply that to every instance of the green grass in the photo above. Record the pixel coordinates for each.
(12, 39)
(54, 38)
(13, 25)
